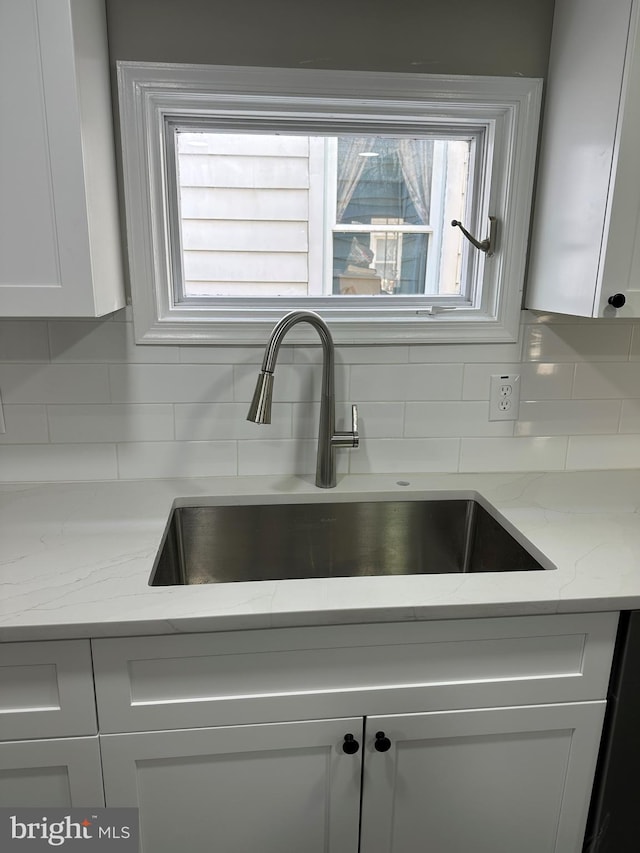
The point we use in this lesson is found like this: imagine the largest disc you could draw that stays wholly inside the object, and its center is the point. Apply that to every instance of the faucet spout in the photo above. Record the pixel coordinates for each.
(260, 408)
(328, 438)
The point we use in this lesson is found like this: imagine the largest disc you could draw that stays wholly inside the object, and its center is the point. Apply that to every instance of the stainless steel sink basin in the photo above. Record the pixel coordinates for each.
(222, 544)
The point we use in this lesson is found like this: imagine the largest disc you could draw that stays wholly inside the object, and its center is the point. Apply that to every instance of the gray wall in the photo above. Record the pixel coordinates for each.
(501, 37)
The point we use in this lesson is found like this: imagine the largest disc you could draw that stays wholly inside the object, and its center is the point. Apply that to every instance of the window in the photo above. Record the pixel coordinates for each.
(248, 214)
(249, 192)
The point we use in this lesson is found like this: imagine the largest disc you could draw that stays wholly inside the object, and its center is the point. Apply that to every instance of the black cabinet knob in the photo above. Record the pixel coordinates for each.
(350, 745)
(617, 300)
(382, 742)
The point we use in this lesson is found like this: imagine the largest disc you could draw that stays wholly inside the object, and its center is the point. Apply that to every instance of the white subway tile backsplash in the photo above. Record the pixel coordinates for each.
(453, 353)
(630, 416)
(513, 454)
(576, 343)
(123, 315)
(229, 355)
(83, 401)
(86, 341)
(209, 421)
(546, 381)
(568, 417)
(25, 425)
(457, 418)
(604, 380)
(537, 381)
(305, 418)
(111, 423)
(392, 382)
(477, 378)
(588, 452)
(635, 344)
(24, 340)
(170, 383)
(285, 457)
(405, 455)
(29, 463)
(375, 420)
(54, 383)
(355, 355)
(293, 383)
(531, 318)
(154, 460)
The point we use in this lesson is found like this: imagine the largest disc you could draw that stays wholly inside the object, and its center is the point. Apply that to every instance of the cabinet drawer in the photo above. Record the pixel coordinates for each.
(184, 681)
(46, 690)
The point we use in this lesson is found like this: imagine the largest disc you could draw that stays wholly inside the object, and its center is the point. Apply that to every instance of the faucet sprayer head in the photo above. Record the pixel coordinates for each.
(260, 408)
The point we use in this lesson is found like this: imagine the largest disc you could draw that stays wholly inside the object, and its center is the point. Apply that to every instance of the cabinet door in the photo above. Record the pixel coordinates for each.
(59, 234)
(274, 788)
(54, 773)
(488, 781)
(585, 243)
(621, 267)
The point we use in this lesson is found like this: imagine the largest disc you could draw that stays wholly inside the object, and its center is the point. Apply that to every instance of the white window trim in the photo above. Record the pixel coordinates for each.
(331, 101)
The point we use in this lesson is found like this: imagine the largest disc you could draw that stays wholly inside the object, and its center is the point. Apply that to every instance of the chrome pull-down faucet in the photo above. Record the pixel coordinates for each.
(328, 437)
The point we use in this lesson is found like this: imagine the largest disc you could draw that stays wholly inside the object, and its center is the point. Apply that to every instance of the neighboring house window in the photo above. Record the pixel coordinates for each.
(244, 201)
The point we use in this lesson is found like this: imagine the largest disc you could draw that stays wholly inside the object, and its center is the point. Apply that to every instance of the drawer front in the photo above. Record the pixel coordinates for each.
(185, 681)
(46, 690)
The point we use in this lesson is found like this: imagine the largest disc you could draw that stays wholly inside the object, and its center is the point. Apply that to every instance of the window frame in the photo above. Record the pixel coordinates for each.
(153, 96)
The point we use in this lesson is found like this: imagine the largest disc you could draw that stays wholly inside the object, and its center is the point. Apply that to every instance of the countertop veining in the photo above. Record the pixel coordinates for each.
(75, 558)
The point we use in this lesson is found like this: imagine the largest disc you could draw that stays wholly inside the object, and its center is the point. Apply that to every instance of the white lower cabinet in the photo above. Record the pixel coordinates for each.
(49, 747)
(276, 788)
(446, 736)
(55, 773)
(491, 780)
(494, 780)
(473, 735)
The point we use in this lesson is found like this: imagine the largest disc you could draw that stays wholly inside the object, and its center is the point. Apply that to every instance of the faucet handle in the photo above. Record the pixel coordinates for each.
(354, 425)
(350, 437)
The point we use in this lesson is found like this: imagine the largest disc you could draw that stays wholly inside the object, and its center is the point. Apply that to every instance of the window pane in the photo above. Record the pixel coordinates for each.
(384, 177)
(375, 263)
(256, 210)
(452, 188)
(244, 212)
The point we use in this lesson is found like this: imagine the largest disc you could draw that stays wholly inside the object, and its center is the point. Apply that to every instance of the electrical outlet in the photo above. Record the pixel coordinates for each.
(2, 424)
(504, 397)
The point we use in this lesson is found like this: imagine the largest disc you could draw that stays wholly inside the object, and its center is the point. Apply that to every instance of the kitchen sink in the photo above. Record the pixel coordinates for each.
(276, 541)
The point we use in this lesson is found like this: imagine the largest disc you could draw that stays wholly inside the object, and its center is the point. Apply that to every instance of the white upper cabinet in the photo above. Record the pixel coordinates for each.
(60, 249)
(585, 245)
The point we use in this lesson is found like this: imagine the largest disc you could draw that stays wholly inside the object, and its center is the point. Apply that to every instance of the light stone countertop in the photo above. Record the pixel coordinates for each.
(75, 558)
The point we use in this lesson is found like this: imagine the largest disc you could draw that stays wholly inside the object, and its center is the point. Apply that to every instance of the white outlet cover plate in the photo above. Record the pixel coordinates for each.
(504, 397)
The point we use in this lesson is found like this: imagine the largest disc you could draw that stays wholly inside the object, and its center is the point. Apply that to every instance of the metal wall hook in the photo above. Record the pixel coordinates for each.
(487, 245)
